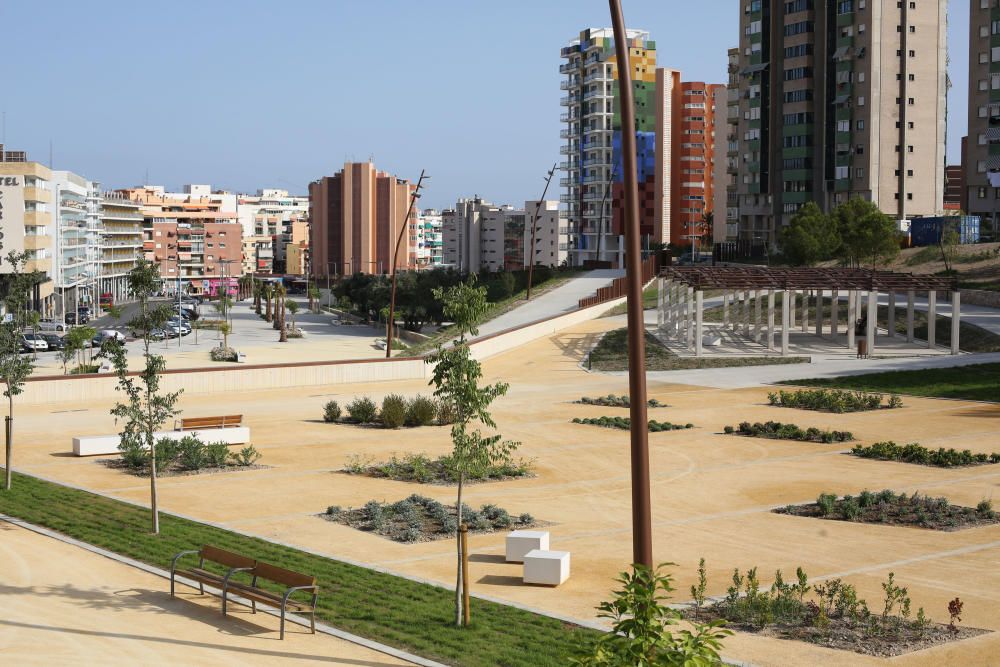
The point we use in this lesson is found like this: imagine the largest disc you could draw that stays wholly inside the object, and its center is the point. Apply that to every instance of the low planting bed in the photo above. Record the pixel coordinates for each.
(977, 382)
(614, 401)
(396, 412)
(779, 431)
(422, 469)
(624, 423)
(223, 354)
(832, 400)
(890, 508)
(422, 519)
(828, 614)
(185, 456)
(915, 453)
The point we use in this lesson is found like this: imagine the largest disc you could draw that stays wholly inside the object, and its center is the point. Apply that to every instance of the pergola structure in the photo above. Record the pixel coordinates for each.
(680, 303)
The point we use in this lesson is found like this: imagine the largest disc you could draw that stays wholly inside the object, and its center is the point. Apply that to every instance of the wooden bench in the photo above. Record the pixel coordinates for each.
(224, 421)
(293, 582)
(233, 563)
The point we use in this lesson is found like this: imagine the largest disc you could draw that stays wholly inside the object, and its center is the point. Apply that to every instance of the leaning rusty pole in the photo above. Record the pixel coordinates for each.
(642, 539)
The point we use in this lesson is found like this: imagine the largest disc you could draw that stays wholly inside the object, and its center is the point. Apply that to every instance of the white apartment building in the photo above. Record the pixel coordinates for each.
(267, 218)
(429, 244)
(480, 236)
(76, 233)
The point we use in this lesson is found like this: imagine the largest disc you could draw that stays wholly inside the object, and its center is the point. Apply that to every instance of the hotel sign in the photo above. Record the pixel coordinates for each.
(12, 213)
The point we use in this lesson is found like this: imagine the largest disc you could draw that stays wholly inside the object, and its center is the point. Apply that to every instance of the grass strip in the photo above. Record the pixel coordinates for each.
(398, 612)
(978, 382)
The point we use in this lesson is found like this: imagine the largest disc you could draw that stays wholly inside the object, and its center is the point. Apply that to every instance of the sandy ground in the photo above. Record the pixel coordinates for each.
(712, 493)
(62, 603)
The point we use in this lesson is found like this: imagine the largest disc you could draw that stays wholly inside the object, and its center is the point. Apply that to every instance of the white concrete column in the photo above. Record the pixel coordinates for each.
(758, 304)
(852, 298)
(746, 314)
(909, 315)
(834, 312)
(725, 308)
(770, 319)
(872, 321)
(891, 319)
(819, 312)
(660, 299)
(689, 320)
(956, 320)
(791, 296)
(699, 305)
(931, 319)
(858, 305)
(805, 311)
(786, 321)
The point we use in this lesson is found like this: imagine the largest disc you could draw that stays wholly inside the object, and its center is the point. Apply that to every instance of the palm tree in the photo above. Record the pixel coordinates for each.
(293, 307)
(280, 315)
(225, 329)
(268, 295)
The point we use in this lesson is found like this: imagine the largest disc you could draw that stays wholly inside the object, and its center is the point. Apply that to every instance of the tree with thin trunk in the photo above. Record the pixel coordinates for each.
(268, 295)
(948, 243)
(280, 316)
(293, 308)
(457, 377)
(314, 298)
(15, 367)
(147, 407)
(225, 330)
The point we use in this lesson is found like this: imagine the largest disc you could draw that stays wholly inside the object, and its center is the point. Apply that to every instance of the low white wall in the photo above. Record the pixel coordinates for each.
(508, 340)
(95, 445)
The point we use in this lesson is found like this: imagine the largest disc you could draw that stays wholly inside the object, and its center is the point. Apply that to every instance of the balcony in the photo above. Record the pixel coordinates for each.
(597, 76)
(566, 134)
(37, 241)
(566, 68)
(597, 162)
(569, 150)
(599, 92)
(120, 215)
(32, 193)
(568, 100)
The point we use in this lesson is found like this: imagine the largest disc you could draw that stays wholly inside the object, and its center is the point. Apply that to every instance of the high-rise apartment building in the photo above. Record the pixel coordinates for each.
(430, 245)
(480, 236)
(594, 180)
(838, 99)
(981, 154)
(356, 216)
(77, 236)
(121, 244)
(194, 237)
(26, 223)
(267, 219)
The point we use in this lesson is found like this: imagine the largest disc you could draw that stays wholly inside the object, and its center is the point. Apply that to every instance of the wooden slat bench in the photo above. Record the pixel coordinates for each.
(231, 562)
(224, 421)
(294, 582)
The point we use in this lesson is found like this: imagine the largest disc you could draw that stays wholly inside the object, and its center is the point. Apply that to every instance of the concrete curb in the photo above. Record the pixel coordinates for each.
(164, 574)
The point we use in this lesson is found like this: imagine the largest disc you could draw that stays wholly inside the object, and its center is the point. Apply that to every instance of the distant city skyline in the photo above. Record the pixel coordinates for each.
(243, 96)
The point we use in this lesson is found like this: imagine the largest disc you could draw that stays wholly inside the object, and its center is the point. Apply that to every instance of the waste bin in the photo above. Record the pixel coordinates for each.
(863, 348)
(241, 357)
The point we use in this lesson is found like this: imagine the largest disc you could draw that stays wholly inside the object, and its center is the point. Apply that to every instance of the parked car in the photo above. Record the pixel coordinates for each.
(54, 342)
(106, 335)
(33, 342)
(49, 324)
(179, 325)
(73, 319)
(158, 334)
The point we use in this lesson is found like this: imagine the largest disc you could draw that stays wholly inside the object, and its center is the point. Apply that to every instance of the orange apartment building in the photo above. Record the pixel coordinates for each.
(356, 216)
(195, 243)
(688, 145)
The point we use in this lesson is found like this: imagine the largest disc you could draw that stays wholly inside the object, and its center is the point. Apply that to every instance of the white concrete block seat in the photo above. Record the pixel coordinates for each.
(546, 568)
(228, 429)
(520, 542)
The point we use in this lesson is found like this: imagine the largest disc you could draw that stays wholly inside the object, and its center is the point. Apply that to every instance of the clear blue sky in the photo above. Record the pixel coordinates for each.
(267, 93)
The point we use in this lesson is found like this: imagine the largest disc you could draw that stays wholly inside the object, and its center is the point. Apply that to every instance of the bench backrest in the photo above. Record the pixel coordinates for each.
(223, 421)
(227, 558)
(280, 575)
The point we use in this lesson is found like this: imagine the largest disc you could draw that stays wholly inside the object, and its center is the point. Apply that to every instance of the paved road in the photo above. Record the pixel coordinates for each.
(555, 302)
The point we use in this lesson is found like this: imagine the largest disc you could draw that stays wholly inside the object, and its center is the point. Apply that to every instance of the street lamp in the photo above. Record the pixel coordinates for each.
(534, 224)
(404, 228)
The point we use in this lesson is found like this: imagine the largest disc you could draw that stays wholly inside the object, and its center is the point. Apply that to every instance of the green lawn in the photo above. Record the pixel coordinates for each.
(395, 611)
(611, 354)
(980, 382)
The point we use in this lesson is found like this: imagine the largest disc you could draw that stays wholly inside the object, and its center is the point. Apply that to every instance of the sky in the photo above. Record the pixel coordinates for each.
(248, 94)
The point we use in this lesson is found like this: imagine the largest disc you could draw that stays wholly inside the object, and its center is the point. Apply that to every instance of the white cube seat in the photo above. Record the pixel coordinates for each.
(548, 568)
(520, 542)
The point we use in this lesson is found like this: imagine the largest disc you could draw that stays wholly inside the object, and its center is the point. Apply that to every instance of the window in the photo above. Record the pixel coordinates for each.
(798, 118)
(798, 28)
(798, 6)
(796, 73)
(860, 125)
(798, 51)
(803, 95)
(859, 173)
(797, 141)
(843, 126)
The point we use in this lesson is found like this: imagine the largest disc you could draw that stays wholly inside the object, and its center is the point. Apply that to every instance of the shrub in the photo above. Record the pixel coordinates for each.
(167, 451)
(247, 456)
(420, 411)
(223, 354)
(779, 431)
(134, 455)
(333, 511)
(445, 413)
(394, 410)
(615, 401)
(827, 503)
(624, 423)
(831, 400)
(331, 411)
(191, 453)
(915, 453)
(362, 410)
(217, 454)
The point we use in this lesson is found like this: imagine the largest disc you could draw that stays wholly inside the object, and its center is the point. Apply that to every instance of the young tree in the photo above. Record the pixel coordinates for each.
(314, 298)
(457, 382)
(867, 234)
(148, 407)
(225, 330)
(640, 619)
(15, 367)
(810, 237)
(268, 295)
(948, 243)
(279, 318)
(293, 308)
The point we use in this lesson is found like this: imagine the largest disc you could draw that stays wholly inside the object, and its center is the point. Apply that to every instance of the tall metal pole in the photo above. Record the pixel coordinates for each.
(642, 537)
(395, 258)
(534, 225)
(600, 219)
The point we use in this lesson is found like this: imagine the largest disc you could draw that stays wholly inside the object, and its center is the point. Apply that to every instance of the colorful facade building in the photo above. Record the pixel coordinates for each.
(594, 178)
(356, 216)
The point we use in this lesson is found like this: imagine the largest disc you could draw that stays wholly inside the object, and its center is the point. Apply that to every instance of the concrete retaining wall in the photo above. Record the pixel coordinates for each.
(981, 297)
